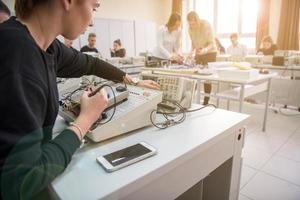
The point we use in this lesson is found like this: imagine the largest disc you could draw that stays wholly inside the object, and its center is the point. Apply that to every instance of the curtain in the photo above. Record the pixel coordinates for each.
(288, 33)
(177, 6)
(263, 17)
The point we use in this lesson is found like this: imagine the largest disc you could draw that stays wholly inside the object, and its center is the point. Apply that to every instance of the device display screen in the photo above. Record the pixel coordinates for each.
(124, 155)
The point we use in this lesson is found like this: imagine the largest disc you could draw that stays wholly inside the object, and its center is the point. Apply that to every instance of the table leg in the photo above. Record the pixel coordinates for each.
(242, 95)
(198, 99)
(267, 105)
(218, 90)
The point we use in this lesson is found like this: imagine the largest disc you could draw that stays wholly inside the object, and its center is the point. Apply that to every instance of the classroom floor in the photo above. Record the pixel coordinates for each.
(271, 159)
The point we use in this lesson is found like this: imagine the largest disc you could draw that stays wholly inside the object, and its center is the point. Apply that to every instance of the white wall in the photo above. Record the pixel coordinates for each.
(157, 11)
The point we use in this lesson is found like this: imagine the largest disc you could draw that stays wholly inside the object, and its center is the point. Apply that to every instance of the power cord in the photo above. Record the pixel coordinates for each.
(174, 118)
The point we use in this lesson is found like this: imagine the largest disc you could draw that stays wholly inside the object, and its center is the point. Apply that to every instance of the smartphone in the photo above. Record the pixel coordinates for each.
(127, 156)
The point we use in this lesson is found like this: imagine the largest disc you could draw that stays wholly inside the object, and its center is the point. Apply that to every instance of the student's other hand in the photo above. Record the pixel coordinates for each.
(260, 53)
(149, 84)
(201, 51)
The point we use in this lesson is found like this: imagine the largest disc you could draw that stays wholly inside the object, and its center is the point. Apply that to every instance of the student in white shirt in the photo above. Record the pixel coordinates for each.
(169, 40)
(236, 49)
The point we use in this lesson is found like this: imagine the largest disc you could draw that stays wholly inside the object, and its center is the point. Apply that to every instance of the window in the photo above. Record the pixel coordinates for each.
(205, 9)
(226, 17)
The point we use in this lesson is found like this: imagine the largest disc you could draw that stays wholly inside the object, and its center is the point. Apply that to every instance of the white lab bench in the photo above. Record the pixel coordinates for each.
(200, 158)
(247, 87)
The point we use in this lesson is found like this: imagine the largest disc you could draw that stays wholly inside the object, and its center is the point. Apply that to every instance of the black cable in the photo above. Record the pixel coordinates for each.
(170, 116)
(114, 106)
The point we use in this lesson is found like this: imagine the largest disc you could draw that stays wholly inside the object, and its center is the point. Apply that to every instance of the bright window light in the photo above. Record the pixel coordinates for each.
(249, 16)
(227, 15)
(205, 10)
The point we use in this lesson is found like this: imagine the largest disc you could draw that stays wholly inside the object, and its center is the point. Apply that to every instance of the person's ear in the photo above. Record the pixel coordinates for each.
(67, 4)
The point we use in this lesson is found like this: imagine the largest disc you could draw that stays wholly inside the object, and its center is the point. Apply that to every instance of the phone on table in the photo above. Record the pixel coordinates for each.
(127, 156)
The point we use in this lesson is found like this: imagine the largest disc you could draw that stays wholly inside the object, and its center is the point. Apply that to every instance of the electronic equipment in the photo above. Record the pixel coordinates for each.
(178, 89)
(278, 61)
(70, 103)
(268, 59)
(290, 57)
(132, 112)
(223, 58)
(137, 60)
(127, 156)
(254, 59)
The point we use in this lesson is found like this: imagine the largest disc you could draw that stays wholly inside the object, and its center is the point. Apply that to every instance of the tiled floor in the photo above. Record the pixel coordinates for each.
(271, 159)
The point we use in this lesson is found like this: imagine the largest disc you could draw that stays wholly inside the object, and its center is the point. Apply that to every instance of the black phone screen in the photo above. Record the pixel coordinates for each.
(124, 155)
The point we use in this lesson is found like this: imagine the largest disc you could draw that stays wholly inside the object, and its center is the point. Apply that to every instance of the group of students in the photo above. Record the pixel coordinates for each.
(201, 34)
(116, 51)
(267, 47)
(204, 46)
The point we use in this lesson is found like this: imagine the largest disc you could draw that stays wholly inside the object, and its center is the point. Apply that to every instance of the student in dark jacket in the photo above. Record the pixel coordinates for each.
(30, 61)
(267, 46)
(117, 50)
(91, 46)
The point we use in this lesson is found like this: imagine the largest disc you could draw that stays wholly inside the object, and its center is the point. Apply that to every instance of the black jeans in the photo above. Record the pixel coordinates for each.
(204, 60)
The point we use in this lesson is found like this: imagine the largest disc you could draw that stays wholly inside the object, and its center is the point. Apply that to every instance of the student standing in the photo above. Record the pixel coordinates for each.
(169, 40)
(203, 44)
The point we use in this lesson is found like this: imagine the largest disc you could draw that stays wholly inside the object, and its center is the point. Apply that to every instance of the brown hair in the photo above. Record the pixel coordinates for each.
(24, 8)
(118, 41)
(193, 15)
(173, 19)
(268, 39)
(92, 35)
(234, 35)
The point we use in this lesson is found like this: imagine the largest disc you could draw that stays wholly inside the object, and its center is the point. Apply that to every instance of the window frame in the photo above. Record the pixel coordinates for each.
(215, 20)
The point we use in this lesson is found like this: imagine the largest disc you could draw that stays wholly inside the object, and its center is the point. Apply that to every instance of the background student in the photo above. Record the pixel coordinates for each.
(91, 46)
(169, 40)
(117, 50)
(267, 46)
(236, 49)
(203, 44)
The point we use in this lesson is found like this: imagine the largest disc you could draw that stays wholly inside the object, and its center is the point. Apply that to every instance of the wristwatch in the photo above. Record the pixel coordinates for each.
(135, 81)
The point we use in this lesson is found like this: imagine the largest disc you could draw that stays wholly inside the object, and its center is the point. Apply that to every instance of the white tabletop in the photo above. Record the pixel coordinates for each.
(215, 77)
(85, 179)
(290, 67)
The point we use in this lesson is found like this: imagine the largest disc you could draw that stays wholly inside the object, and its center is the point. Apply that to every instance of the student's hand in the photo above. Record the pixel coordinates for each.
(201, 51)
(260, 53)
(149, 84)
(142, 83)
(91, 109)
(177, 58)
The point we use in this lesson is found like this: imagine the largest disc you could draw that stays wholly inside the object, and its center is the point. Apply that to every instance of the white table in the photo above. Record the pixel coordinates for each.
(291, 71)
(248, 87)
(205, 144)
